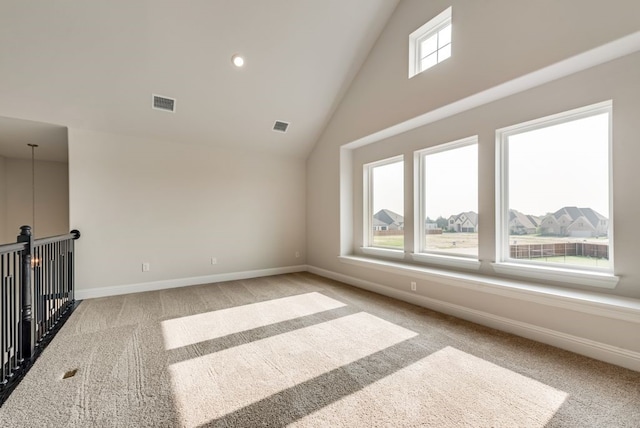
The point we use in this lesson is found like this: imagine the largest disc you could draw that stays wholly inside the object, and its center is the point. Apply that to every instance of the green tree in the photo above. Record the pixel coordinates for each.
(442, 222)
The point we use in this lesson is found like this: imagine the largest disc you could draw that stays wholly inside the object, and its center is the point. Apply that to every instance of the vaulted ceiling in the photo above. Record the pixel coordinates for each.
(95, 65)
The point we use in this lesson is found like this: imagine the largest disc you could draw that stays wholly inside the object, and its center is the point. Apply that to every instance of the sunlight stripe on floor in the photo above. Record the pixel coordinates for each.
(197, 328)
(213, 385)
(448, 388)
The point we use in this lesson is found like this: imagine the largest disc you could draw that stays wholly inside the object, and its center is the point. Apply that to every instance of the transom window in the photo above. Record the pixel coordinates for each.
(430, 44)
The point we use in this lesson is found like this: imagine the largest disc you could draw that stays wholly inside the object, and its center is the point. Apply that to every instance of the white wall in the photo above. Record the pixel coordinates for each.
(615, 81)
(175, 206)
(493, 42)
(52, 197)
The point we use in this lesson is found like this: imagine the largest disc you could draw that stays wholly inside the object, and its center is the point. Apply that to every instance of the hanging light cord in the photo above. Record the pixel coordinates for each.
(33, 188)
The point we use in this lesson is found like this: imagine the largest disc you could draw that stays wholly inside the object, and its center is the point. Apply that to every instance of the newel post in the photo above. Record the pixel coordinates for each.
(26, 295)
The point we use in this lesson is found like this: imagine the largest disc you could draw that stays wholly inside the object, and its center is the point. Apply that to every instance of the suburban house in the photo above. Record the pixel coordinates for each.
(575, 222)
(215, 142)
(522, 224)
(431, 227)
(379, 225)
(464, 222)
(387, 220)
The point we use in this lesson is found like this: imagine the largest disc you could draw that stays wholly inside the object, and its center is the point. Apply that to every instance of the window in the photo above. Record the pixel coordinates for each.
(430, 44)
(447, 199)
(554, 183)
(384, 204)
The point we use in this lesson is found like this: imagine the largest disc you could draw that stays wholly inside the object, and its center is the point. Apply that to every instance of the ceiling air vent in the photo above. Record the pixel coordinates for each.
(280, 126)
(164, 103)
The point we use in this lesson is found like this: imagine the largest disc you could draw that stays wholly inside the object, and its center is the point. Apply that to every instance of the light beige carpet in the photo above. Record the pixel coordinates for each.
(299, 350)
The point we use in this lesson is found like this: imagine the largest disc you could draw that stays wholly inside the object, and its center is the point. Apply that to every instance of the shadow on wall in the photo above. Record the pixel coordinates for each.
(45, 180)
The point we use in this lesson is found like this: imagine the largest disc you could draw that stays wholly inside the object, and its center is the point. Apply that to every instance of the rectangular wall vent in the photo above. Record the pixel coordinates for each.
(280, 126)
(164, 103)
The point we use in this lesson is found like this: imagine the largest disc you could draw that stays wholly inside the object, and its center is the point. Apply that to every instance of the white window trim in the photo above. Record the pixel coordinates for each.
(367, 208)
(420, 34)
(420, 254)
(552, 273)
(383, 252)
(596, 277)
(448, 260)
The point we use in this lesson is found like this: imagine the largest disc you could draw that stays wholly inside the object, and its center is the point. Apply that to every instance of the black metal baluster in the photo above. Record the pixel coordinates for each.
(52, 276)
(37, 275)
(59, 267)
(36, 293)
(36, 301)
(46, 284)
(3, 320)
(28, 339)
(56, 285)
(13, 337)
(64, 287)
(15, 294)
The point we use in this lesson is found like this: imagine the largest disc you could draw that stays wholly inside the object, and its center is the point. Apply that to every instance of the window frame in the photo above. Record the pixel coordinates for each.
(582, 275)
(424, 32)
(421, 254)
(367, 209)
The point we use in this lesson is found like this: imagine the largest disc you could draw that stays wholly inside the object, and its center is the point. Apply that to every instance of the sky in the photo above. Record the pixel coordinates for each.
(549, 168)
(388, 188)
(451, 182)
(562, 165)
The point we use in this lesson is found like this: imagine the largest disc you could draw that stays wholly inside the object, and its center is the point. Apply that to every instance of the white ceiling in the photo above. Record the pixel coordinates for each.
(95, 65)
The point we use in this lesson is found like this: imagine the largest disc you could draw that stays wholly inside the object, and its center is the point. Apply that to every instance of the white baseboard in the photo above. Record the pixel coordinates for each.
(92, 293)
(599, 351)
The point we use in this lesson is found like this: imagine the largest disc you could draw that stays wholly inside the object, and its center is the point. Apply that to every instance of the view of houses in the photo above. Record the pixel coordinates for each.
(567, 222)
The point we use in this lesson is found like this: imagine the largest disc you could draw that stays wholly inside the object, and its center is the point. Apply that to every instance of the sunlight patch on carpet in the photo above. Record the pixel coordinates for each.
(193, 329)
(213, 385)
(448, 388)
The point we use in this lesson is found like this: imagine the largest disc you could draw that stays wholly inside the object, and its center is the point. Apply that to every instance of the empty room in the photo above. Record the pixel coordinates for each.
(319, 213)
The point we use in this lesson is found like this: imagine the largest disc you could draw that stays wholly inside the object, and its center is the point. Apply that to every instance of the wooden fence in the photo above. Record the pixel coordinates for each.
(583, 249)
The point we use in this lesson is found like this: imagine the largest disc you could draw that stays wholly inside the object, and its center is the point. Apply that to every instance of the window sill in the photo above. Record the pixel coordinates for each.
(615, 307)
(571, 276)
(449, 261)
(383, 252)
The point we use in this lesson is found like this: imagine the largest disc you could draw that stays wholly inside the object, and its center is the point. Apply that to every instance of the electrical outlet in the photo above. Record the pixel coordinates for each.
(297, 254)
(146, 267)
(214, 261)
(413, 286)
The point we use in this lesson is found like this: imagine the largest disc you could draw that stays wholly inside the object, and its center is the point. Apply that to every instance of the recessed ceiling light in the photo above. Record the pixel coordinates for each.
(237, 60)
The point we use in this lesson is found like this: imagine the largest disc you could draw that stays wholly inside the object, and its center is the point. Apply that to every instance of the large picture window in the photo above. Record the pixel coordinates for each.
(447, 198)
(554, 208)
(384, 204)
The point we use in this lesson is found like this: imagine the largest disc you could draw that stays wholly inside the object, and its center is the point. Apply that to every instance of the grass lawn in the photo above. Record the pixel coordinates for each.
(577, 260)
(389, 241)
